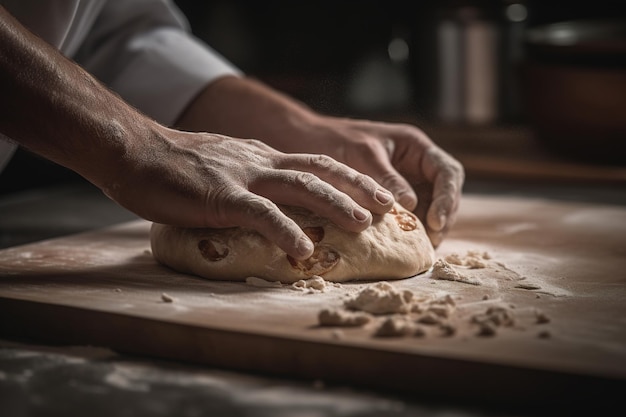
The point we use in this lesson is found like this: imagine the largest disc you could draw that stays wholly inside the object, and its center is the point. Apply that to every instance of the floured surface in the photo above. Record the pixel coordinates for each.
(558, 269)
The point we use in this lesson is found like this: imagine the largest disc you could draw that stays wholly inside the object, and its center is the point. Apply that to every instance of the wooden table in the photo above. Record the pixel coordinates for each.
(563, 259)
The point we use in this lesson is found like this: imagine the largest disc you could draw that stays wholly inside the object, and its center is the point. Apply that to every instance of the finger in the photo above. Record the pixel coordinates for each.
(304, 189)
(373, 157)
(436, 237)
(362, 188)
(392, 180)
(447, 185)
(246, 209)
(385, 174)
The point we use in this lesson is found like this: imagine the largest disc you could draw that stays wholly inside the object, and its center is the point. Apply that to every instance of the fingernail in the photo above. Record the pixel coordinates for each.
(383, 197)
(360, 214)
(305, 247)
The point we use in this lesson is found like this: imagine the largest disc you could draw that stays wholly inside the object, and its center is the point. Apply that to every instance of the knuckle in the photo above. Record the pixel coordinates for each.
(306, 180)
(363, 181)
(322, 161)
(447, 163)
(391, 181)
(456, 172)
(219, 204)
(257, 206)
(254, 142)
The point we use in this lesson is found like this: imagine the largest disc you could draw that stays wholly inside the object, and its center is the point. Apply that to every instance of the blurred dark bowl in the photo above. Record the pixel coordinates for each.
(574, 88)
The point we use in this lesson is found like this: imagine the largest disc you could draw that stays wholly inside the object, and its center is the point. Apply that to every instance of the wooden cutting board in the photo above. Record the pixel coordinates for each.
(564, 262)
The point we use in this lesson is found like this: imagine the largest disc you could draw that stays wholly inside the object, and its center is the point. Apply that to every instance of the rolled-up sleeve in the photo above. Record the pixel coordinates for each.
(143, 50)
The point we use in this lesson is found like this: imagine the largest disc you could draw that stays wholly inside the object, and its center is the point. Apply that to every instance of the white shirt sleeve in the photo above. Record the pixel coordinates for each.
(143, 50)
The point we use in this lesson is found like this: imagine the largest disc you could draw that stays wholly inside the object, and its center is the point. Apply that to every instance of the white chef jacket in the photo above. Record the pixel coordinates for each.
(142, 49)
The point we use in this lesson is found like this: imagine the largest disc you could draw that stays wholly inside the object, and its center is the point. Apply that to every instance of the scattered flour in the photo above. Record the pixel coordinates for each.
(314, 283)
(473, 259)
(493, 318)
(528, 286)
(395, 312)
(392, 311)
(167, 298)
(381, 298)
(395, 326)
(342, 318)
(541, 318)
(337, 334)
(444, 271)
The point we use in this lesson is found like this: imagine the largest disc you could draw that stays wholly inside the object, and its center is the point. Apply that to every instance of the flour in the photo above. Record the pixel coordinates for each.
(394, 311)
(381, 298)
(429, 319)
(342, 318)
(167, 298)
(492, 319)
(444, 271)
(473, 259)
(314, 283)
(528, 287)
(396, 326)
(541, 317)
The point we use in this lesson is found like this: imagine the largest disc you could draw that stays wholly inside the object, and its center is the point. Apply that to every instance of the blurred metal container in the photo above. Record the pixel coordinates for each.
(574, 88)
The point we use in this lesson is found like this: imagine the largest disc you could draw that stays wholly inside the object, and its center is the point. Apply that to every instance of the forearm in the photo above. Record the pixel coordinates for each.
(245, 108)
(56, 109)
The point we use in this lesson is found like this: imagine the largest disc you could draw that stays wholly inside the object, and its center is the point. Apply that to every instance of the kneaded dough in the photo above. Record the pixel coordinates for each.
(395, 246)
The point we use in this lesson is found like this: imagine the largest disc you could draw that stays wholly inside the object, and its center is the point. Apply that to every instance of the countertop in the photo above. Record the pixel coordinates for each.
(47, 380)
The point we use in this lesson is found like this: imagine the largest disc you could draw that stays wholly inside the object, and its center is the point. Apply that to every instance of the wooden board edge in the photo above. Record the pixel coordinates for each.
(418, 376)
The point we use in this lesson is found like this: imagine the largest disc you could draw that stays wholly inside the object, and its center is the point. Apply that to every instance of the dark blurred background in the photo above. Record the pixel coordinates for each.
(375, 56)
(461, 70)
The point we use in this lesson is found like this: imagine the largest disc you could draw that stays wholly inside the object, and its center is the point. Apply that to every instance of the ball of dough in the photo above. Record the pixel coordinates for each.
(395, 246)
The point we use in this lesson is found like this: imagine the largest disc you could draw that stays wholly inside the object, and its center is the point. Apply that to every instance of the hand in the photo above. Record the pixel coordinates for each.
(206, 180)
(401, 158)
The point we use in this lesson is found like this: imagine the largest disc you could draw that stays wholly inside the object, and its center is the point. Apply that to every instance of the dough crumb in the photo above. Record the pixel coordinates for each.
(261, 283)
(430, 319)
(166, 298)
(442, 270)
(447, 330)
(454, 258)
(442, 311)
(528, 287)
(544, 334)
(541, 318)
(473, 259)
(342, 318)
(381, 298)
(117, 290)
(314, 283)
(492, 318)
(486, 330)
(337, 334)
(395, 326)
